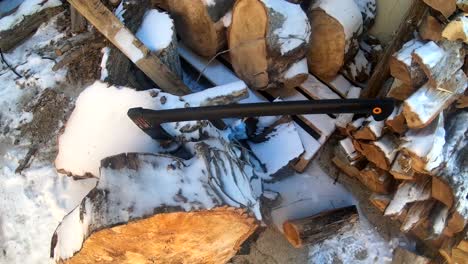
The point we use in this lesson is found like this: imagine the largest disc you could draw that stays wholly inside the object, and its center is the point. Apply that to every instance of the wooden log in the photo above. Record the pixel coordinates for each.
(400, 90)
(417, 213)
(403, 67)
(456, 223)
(459, 256)
(456, 29)
(370, 130)
(380, 201)
(401, 168)
(13, 35)
(376, 180)
(263, 53)
(426, 103)
(335, 28)
(396, 122)
(409, 192)
(440, 62)
(381, 152)
(200, 23)
(317, 228)
(446, 7)
(98, 15)
(430, 29)
(442, 192)
(346, 167)
(403, 256)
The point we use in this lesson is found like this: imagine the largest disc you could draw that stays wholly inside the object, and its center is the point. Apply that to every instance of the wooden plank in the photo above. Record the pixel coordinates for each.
(416, 12)
(341, 85)
(111, 27)
(317, 90)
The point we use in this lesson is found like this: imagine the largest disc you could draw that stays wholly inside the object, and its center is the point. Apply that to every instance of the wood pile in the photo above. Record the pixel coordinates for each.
(414, 164)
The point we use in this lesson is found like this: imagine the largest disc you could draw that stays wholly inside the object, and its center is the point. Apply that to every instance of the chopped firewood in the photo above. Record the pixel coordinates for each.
(376, 180)
(381, 152)
(353, 126)
(456, 223)
(459, 256)
(401, 168)
(403, 256)
(442, 192)
(335, 28)
(381, 201)
(424, 146)
(446, 7)
(456, 29)
(438, 219)
(370, 130)
(463, 5)
(346, 167)
(396, 122)
(446, 250)
(344, 119)
(317, 228)
(463, 245)
(372, 49)
(400, 90)
(462, 102)
(427, 102)
(417, 212)
(454, 167)
(200, 24)
(358, 69)
(262, 49)
(409, 192)
(347, 147)
(403, 67)
(440, 62)
(430, 29)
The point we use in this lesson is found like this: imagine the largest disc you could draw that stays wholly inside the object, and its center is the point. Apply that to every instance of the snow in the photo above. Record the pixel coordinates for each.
(346, 12)
(209, 2)
(127, 45)
(360, 65)
(386, 145)
(105, 57)
(227, 19)
(27, 7)
(311, 145)
(405, 53)
(120, 11)
(348, 147)
(297, 68)
(156, 30)
(431, 54)
(375, 126)
(295, 30)
(341, 85)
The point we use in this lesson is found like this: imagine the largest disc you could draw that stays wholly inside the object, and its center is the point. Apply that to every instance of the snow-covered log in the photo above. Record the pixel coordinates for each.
(445, 7)
(134, 186)
(438, 219)
(400, 90)
(427, 102)
(368, 10)
(99, 126)
(457, 29)
(381, 152)
(376, 180)
(19, 25)
(440, 62)
(359, 68)
(403, 67)
(454, 168)
(336, 25)
(201, 24)
(430, 29)
(370, 130)
(409, 192)
(424, 146)
(396, 121)
(268, 40)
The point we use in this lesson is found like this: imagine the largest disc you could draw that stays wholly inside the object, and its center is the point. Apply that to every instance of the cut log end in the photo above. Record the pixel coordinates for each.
(292, 234)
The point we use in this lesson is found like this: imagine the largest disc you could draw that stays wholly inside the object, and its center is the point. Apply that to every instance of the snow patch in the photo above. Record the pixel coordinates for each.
(105, 57)
(27, 8)
(227, 19)
(431, 54)
(156, 30)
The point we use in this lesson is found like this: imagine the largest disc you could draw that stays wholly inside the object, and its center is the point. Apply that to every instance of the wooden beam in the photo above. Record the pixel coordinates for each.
(105, 21)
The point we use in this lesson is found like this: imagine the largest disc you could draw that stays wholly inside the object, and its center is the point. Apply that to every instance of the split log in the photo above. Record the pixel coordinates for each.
(400, 90)
(346, 146)
(200, 23)
(403, 67)
(155, 183)
(396, 122)
(417, 213)
(409, 192)
(353, 126)
(463, 5)
(456, 29)
(23, 24)
(438, 219)
(426, 103)
(380, 201)
(346, 167)
(446, 7)
(401, 168)
(376, 180)
(456, 223)
(430, 29)
(440, 63)
(459, 256)
(442, 192)
(424, 146)
(268, 41)
(103, 19)
(317, 228)
(358, 69)
(370, 130)
(403, 256)
(335, 28)
(381, 152)
(454, 167)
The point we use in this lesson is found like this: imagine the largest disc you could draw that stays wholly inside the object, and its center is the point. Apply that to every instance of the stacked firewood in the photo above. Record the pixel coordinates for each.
(415, 163)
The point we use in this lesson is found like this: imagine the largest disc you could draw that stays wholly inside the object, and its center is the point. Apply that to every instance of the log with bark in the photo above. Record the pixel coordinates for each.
(430, 29)
(380, 201)
(381, 152)
(409, 192)
(396, 121)
(456, 29)
(376, 180)
(201, 24)
(445, 7)
(317, 228)
(268, 41)
(427, 102)
(403, 68)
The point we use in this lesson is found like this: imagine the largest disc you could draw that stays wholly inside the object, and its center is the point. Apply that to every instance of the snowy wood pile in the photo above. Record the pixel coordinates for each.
(415, 163)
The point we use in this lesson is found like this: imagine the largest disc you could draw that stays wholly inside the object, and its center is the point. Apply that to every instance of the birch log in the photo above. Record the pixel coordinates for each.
(457, 29)
(403, 67)
(268, 41)
(200, 24)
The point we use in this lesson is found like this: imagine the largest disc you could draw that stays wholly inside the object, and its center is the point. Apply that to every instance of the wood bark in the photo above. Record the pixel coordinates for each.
(456, 29)
(358, 69)
(438, 219)
(430, 29)
(259, 54)
(103, 19)
(199, 25)
(317, 228)
(446, 7)
(12, 37)
(427, 102)
(403, 68)
(334, 37)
